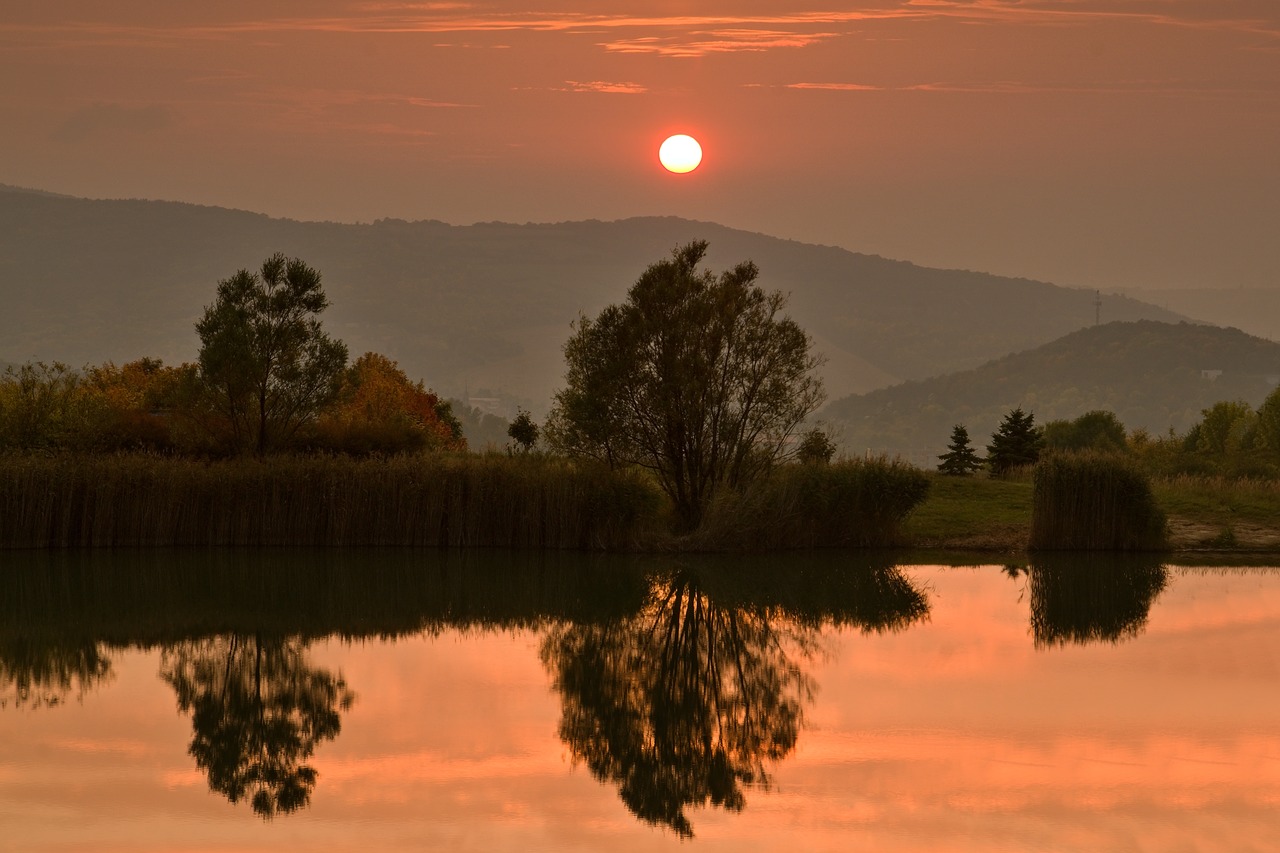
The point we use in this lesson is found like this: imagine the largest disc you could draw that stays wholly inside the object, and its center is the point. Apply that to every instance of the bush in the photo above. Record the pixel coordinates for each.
(855, 503)
(1094, 501)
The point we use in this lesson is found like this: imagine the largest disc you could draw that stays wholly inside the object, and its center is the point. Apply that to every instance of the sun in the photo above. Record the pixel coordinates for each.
(680, 154)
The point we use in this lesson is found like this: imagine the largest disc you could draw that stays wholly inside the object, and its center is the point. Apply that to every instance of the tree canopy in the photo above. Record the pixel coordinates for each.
(265, 361)
(696, 377)
(960, 460)
(1017, 442)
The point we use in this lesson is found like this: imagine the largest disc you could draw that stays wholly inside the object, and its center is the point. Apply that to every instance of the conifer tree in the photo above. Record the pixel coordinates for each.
(1017, 442)
(960, 460)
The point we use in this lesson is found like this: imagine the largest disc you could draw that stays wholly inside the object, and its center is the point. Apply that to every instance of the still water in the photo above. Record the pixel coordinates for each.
(405, 701)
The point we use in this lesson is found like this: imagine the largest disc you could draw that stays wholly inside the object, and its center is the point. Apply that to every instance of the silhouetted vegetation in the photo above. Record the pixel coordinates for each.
(1092, 598)
(435, 500)
(523, 432)
(258, 712)
(37, 671)
(696, 378)
(1016, 444)
(1097, 430)
(851, 503)
(694, 698)
(694, 670)
(266, 366)
(815, 448)
(1093, 501)
(960, 460)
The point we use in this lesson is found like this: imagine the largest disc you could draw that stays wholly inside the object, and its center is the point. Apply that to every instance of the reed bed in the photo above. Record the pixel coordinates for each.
(850, 504)
(1094, 502)
(454, 501)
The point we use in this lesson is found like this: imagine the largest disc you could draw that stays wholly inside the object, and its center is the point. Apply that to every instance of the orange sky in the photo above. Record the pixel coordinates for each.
(1104, 143)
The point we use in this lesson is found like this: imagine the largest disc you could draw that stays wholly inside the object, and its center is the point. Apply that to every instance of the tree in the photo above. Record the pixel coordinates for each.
(960, 460)
(379, 409)
(1269, 422)
(1226, 426)
(696, 377)
(265, 362)
(523, 431)
(1095, 430)
(816, 448)
(1017, 442)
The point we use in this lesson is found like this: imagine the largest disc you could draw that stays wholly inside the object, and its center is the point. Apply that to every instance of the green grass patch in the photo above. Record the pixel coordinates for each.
(1218, 500)
(971, 512)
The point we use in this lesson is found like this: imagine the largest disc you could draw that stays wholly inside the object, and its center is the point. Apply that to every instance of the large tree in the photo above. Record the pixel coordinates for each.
(265, 362)
(697, 377)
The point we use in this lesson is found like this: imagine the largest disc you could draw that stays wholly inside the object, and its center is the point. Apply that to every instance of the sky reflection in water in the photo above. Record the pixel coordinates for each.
(504, 702)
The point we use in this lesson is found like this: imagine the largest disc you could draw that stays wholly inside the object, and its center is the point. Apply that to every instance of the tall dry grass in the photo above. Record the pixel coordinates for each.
(853, 504)
(1094, 501)
(455, 501)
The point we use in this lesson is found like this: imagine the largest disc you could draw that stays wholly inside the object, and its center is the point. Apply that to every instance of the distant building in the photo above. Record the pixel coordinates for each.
(1210, 374)
(489, 405)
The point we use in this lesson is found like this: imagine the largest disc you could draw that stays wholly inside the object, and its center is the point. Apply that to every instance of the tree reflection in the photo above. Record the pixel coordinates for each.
(258, 711)
(35, 674)
(679, 706)
(692, 699)
(1092, 598)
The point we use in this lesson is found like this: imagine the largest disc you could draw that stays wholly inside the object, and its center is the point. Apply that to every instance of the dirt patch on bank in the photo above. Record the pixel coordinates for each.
(1190, 534)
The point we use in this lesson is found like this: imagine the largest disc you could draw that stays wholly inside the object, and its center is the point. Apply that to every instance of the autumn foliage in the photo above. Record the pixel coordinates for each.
(148, 406)
(380, 410)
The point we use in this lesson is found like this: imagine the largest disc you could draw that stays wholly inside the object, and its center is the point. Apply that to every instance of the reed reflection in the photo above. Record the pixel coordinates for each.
(1091, 598)
(692, 699)
(258, 711)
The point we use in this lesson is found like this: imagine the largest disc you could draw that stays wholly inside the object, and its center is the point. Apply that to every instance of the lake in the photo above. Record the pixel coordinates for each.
(393, 700)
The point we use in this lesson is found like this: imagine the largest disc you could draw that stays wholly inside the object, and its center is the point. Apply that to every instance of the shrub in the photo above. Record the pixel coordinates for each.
(1094, 501)
(854, 503)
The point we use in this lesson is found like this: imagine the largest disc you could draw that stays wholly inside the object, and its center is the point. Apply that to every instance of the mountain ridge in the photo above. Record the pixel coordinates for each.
(1153, 375)
(487, 305)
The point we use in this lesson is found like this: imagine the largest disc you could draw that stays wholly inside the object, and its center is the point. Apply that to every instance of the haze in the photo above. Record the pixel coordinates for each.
(1098, 143)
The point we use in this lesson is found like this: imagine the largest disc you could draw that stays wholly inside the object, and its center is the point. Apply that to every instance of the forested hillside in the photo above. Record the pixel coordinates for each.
(1152, 375)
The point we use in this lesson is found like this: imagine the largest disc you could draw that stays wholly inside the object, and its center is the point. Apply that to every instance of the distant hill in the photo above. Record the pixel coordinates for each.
(1152, 375)
(486, 305)
(1250, 309)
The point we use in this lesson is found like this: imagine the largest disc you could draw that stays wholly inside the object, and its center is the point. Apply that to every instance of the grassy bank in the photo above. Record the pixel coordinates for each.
(972, 513)
(1205, 513)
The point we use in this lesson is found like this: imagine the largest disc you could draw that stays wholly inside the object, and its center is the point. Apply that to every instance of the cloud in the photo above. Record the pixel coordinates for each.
(717, 41)
(836, 87)
(605, 87)
(98, 120)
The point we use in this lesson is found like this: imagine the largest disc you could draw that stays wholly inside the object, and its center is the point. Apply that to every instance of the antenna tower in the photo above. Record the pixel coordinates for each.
(1097, 307)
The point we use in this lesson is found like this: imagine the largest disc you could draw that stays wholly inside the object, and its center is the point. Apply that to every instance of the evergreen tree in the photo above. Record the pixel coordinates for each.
(960, 460)
(1017, 442)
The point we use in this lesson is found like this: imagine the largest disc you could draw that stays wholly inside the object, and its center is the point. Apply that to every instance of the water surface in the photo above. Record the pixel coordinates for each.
(407, 701)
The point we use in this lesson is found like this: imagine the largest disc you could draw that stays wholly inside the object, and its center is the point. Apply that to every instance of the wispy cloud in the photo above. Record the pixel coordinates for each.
(716, 41)
(836, 87)
(678, 35)
(604, 87)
